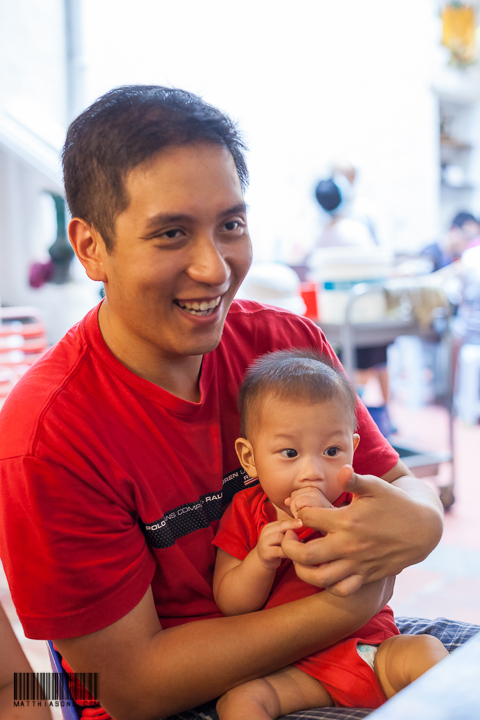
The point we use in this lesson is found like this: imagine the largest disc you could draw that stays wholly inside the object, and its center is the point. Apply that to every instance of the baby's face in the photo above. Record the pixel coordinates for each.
(302, 445)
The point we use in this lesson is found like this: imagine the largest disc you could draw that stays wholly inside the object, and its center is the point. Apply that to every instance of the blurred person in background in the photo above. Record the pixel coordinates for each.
(333, 196)
(463, 232)
(359, 207)
(341, 230)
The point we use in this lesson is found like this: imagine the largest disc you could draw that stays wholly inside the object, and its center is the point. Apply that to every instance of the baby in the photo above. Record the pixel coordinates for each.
(298, 428)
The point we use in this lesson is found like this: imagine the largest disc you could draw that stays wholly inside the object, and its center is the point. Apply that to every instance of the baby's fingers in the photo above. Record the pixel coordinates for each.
(281, 526)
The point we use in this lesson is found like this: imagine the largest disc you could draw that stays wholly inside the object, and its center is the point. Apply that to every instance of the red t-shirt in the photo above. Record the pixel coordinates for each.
(110, 484)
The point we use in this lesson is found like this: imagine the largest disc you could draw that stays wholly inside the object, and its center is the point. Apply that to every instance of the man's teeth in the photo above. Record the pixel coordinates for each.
(202, 308)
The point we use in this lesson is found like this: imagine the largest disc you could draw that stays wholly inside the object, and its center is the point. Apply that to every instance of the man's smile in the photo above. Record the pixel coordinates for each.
(199, 308)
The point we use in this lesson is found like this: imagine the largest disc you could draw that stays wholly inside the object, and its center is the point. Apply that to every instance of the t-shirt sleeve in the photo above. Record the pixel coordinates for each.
(374, 454)
(236, 534)
(87, 564)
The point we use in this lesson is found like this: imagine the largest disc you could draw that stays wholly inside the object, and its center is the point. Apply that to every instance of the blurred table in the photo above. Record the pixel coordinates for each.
(449, 691)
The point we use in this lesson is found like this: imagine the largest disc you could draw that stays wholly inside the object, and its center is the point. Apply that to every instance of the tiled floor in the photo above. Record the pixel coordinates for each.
(448, 582)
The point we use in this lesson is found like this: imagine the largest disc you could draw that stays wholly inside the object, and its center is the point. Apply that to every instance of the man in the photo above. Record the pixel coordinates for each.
(114, 446)
(463, 232)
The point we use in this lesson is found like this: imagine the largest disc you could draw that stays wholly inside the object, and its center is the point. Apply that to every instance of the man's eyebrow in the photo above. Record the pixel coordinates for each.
(165, 219)
(171, 218)
(239, 208)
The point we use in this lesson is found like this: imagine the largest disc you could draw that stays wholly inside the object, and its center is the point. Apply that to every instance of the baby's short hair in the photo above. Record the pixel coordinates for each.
(301, 375)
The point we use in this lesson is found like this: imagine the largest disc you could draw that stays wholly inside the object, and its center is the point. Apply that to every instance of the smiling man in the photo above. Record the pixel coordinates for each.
(117, 452)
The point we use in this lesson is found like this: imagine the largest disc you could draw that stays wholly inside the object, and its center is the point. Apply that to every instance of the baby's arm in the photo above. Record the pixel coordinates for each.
(243, 586)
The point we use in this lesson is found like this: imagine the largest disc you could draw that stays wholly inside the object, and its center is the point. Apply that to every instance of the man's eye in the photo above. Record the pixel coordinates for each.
(332, 451)
(232, 225)
(171, 234)
(289, 453)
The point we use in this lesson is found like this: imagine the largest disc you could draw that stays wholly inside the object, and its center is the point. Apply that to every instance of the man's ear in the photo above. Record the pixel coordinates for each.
(89, 247)
(245, 455)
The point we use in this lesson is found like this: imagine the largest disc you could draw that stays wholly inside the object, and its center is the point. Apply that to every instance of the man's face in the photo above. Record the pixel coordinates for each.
(181, 249)
(300, 445)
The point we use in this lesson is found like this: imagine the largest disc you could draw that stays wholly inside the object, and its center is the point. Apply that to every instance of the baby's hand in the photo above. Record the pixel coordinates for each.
(306, 497)
(268, 548)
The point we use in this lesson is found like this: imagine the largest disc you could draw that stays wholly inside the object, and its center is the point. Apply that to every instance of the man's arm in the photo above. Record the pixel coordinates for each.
(147, 673)
(387, 527)
(13, 660)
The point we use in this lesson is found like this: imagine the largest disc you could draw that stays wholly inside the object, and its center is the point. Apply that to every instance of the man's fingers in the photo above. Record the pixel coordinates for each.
(325, 575)
(323, 519)
(348, 586)
(312, 552)
(291, 538)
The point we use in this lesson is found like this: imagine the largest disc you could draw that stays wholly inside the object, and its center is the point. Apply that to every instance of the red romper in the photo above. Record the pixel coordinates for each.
(340, 669)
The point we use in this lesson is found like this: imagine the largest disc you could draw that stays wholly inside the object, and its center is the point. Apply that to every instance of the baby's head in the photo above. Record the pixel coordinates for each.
(298, 424)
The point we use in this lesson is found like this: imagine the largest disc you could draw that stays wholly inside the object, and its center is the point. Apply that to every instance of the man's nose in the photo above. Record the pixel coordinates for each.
(207, 264)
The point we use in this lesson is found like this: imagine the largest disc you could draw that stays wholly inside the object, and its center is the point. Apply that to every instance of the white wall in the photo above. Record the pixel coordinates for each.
(32, 58)
(33, 115)
(308, 81)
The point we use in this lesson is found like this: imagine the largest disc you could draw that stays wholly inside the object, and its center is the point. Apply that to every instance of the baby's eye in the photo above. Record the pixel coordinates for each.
(332, 451)
(289, 453)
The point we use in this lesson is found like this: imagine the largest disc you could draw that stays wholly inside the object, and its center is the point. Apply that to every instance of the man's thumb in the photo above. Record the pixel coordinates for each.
(346, 477)
(353, 483)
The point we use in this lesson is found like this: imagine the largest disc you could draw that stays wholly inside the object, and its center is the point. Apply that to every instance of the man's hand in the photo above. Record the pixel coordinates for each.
(388, 526)
(269, 547)
(306, 497)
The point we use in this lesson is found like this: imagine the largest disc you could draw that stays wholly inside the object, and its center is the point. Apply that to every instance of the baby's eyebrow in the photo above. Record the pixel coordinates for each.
(283, 436)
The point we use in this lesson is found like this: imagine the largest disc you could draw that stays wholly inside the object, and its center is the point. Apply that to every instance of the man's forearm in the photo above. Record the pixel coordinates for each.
(430, 513)
(170, 670)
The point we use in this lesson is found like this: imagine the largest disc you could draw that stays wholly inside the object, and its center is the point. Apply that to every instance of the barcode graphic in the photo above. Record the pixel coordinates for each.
(55, 686)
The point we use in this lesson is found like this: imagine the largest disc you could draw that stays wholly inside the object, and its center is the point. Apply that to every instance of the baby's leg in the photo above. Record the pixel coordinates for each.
(403, 658)
(272, 696)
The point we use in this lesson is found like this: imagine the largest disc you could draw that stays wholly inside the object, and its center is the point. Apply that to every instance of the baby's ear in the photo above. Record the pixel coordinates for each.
(245, 455)
(356, 440)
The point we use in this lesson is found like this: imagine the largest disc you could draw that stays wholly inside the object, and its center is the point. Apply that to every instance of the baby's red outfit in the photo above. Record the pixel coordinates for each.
(340, 669)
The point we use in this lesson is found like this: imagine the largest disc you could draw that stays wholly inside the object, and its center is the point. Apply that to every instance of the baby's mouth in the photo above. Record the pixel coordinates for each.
(199, 308)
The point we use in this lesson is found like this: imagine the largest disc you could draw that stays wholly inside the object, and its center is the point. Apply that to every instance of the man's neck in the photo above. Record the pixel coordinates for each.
(178, 376)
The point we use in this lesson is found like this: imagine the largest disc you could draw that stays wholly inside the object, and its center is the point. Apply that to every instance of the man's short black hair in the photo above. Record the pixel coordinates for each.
(328, 195)
(126, 127)
(295, 375)
(462, 218)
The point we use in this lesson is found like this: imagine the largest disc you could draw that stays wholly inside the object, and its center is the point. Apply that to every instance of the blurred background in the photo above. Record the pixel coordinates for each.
(381, 99)
(366, 82)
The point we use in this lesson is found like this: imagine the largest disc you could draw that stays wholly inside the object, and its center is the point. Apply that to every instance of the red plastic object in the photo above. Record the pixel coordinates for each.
(23, 339)
(308, 291)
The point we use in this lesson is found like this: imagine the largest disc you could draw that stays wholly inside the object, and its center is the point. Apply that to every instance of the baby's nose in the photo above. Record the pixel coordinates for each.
(312, 470)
